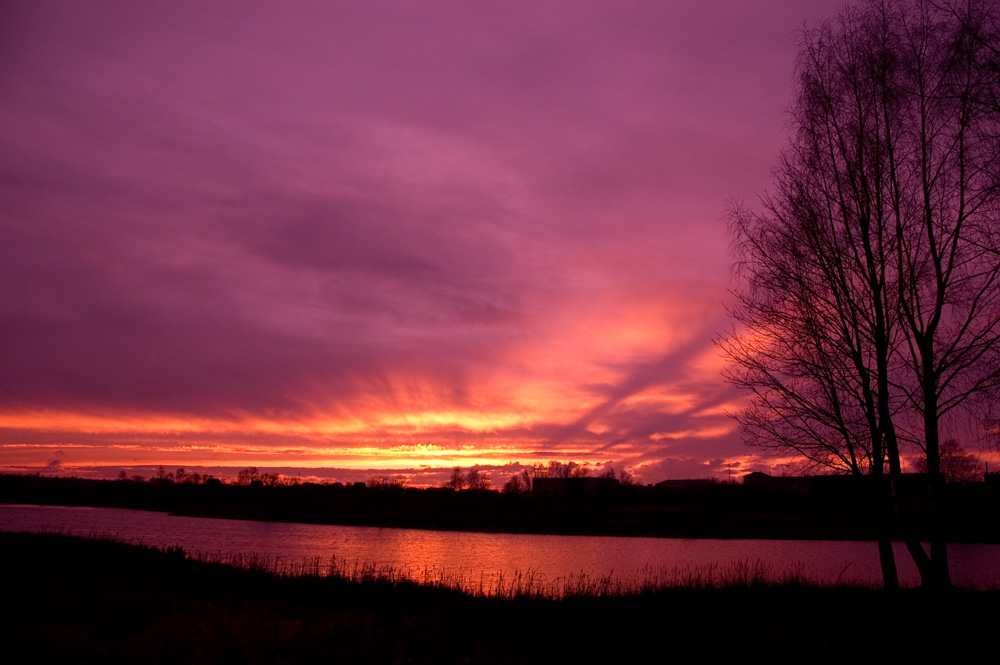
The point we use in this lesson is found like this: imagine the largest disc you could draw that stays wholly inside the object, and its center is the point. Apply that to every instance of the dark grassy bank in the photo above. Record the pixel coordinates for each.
(76, 600)
(713, 511)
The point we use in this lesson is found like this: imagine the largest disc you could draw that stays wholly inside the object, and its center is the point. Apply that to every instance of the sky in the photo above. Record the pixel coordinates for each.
(341, 238)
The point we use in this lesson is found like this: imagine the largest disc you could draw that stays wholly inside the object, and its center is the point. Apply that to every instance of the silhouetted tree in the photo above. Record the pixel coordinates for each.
(457, 480)
(518, 483)
(870, 305)
(957, 466)
(386, 482)
(514, 485)
(476, 480)
(247, 475)
(623, 476)
(626, 477)
(556, 469)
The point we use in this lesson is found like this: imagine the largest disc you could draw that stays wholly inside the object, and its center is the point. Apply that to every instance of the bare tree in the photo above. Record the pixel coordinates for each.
(477, 480)
(457, 480)
(870, 299)
(556, 469)
(957, 466)
(518, 483)
(945, 182)
(795, 342)
(623, 475)
(248, 475)
(386, 482)
(252, 474)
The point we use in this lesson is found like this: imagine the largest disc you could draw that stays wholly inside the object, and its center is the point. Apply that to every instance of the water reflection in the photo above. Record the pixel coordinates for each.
(476, 557)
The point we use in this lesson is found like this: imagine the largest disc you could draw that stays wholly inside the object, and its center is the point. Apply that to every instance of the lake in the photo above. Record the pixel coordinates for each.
(482, 559)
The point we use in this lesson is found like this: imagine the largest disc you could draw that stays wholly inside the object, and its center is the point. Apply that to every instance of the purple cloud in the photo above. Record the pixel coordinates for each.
(231, 213)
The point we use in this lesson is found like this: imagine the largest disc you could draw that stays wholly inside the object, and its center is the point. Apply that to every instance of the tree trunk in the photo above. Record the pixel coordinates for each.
(886, 515)
(940, 576)
(887, 559)
(913, 545)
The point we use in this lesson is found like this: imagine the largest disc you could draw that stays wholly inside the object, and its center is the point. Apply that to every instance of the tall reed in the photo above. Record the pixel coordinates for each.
(527, 584)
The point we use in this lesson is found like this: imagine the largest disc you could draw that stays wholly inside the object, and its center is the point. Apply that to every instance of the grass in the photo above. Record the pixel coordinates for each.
(78, 600)
(529, 584)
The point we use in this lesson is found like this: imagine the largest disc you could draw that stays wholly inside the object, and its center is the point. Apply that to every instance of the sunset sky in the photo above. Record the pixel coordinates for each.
(338, 237)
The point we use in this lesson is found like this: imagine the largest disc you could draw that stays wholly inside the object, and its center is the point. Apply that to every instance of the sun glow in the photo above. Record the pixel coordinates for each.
(526, 408)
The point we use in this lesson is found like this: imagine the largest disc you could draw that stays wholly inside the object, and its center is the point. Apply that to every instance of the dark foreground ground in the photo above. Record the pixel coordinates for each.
(75, 600)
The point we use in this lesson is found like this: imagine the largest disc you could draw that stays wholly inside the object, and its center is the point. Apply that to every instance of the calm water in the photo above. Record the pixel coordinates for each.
(475, 557)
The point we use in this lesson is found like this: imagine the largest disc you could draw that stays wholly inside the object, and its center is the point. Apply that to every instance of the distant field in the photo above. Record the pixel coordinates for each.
(77, 600)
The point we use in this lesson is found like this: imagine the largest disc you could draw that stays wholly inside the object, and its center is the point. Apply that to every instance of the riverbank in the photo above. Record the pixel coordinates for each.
(714, 511)
(78, 600)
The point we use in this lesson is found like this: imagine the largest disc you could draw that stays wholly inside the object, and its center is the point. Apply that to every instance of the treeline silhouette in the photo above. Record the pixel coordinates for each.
(779, 509)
